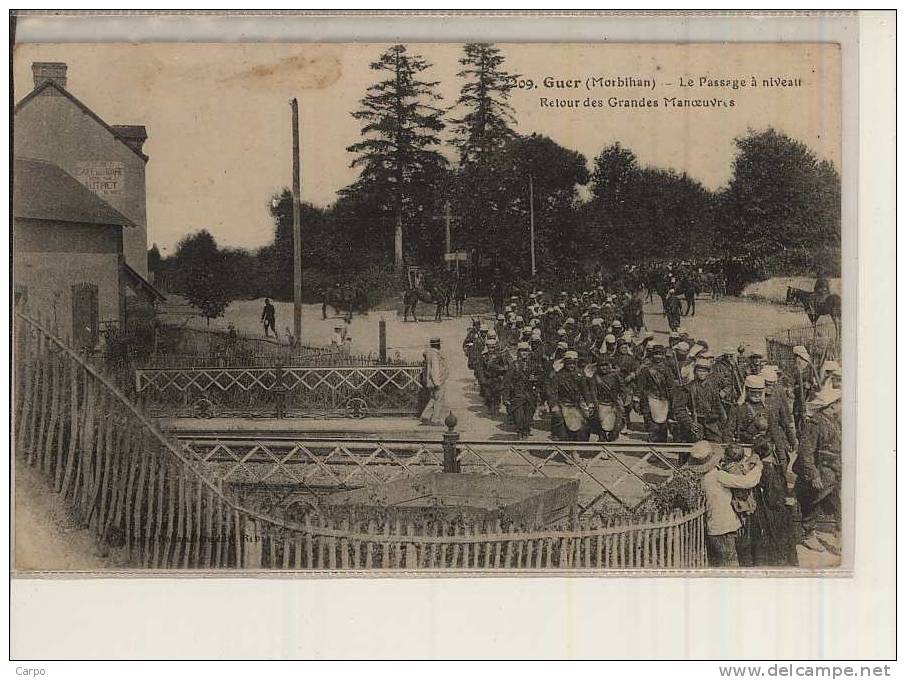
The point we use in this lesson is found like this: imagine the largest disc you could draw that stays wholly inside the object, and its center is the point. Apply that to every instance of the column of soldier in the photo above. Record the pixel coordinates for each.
(574, 358)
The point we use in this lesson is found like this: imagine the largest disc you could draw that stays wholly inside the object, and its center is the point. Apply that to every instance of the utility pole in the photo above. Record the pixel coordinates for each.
(447, 219)
(531, 193)
(297, 229)
(398, 243)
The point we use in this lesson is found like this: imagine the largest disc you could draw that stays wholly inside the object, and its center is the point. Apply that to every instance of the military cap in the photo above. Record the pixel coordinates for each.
(754, 382)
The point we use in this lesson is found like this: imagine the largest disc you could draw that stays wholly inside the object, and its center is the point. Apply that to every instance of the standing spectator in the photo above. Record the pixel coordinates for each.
(338, 338)
(269, 318)
(434, 382)
(722, 522)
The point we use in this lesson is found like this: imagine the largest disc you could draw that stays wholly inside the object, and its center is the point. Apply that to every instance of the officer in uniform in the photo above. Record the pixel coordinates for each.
(521, 390)
(818, 467)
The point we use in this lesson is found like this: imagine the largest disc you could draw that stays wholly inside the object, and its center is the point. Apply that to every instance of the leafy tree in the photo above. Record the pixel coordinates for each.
(782, 203)
(485, 125)
(493, 205)
(203, 274)
(616, 168)
(400, 169)
(325, 248)
(154, 258)
(639, 214)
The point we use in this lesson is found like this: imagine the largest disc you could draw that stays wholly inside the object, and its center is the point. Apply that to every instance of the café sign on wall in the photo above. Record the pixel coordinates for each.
(104, 178)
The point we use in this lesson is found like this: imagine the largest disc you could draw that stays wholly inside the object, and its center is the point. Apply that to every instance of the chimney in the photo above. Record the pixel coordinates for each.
(133, 135)
(49, 70)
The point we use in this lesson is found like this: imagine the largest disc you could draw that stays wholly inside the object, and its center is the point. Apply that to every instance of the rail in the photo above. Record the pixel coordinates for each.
(354, 391)
(610, 475)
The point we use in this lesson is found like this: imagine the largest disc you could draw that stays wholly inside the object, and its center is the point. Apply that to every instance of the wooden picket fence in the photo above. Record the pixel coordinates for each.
(670, 541)
(136, 490)
(821, 341)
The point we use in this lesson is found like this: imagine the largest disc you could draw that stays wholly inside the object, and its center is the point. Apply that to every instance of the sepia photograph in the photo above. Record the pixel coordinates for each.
(428, 308)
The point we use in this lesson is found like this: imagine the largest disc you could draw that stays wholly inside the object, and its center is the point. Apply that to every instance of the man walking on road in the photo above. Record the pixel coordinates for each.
(269, 318)
(434, 381)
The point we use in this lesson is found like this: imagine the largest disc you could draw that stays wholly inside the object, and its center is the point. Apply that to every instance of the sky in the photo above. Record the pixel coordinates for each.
(219, 132)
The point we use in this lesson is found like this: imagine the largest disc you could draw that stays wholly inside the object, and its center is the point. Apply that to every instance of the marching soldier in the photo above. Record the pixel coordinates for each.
(747, 422)
(780, 417)
(818, 467)
(728, 377)
(570, 398)
(495, 368)
(805, 383)
(607, 388)
(656, 383)
(520, 390)
(697, 408)
(672, 310)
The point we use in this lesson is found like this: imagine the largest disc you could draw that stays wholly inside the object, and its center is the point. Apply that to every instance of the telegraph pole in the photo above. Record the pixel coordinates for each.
(297, 229)
(531, 193)
(447, 219)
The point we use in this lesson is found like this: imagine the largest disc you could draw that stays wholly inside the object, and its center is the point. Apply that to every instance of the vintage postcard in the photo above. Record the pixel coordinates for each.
(428, 308)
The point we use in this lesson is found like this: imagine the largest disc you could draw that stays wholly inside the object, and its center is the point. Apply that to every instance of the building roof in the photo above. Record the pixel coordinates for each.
(143, 283)
(43, 191)
(121, 136)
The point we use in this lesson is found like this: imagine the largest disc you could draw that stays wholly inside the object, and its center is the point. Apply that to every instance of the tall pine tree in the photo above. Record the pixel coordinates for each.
(400, 171)
(485, 125)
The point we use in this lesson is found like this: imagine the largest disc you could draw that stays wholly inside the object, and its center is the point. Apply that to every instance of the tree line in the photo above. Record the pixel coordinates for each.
(418, 160)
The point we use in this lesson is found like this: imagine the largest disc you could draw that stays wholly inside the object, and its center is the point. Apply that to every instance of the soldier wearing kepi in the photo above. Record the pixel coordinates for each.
(697, 407)
(818, 467)
(780, 417)
(728, 377)
(569, 397)
(805, 383)
(747, 422)
(520, 390)
(656, 383)
(607, 388)
(495, 368)
(672, 310)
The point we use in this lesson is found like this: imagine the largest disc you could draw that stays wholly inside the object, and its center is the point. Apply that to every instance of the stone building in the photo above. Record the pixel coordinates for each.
(79, 227)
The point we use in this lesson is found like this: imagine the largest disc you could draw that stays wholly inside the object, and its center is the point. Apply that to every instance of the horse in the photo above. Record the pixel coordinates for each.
(688, 288)
(797, 296)
(633, 313)
(411, 298)
(816, 306)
